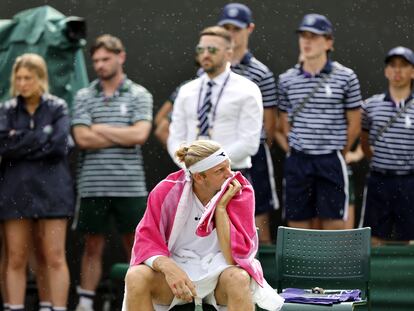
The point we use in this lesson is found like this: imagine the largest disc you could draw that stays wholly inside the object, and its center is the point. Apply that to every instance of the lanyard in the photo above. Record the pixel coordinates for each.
(217, 101)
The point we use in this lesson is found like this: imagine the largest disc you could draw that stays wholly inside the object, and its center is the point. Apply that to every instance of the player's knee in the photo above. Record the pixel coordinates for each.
(237, 280)
(138, 279)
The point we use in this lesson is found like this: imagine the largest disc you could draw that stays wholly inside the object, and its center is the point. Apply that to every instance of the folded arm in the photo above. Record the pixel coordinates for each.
(127, 136)
(86, 138)
(57, 140)
(18, 144)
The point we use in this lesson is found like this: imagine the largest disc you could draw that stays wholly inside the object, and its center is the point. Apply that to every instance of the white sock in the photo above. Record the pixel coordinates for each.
(85, 297)
(45, 306)
(16, 307)
(6, 307)
(59, 309)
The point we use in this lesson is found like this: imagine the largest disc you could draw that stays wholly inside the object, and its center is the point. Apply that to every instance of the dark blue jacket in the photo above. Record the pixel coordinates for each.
(35, 181)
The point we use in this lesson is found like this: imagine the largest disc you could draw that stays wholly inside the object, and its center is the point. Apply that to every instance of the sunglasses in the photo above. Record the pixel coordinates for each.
(211, 49)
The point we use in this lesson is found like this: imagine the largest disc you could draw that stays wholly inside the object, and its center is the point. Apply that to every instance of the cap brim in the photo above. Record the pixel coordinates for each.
(388, 58)
(313, 30)
(232, 22)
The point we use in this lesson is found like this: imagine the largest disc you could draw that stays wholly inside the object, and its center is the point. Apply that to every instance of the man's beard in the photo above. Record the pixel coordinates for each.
(108, 76)
(214, 68)
(211, 69)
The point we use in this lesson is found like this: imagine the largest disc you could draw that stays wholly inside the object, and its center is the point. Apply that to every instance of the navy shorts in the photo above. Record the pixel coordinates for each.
(315, 186)
(263, 181)
(389, 206)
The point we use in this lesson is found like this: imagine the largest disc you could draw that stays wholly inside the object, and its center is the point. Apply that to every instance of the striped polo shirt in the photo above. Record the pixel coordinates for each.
(257, 72)
(115, 171)
(394, 149)
(321, 126)
(254, 70)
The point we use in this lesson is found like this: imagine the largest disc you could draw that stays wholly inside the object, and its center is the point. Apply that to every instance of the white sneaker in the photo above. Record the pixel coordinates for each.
(83, 308)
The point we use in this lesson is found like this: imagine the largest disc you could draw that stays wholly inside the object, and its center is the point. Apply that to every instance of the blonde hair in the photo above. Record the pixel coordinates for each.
(34, 63)
(196, 152)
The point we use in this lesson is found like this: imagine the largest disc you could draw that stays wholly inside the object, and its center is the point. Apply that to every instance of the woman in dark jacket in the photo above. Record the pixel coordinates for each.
(36, 193)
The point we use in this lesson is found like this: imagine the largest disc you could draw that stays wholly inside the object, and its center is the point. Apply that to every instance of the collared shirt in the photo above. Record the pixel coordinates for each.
(116, 171)
(251, 68)
(394, 149)
(236, 117)
(321, 126)
(257, 72)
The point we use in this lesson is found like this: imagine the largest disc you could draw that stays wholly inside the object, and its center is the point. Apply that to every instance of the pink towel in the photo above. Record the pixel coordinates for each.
(243, 234)
(166, 209)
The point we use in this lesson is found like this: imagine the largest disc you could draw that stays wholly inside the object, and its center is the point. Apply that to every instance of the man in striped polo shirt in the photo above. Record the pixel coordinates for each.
(319, 101)
(112, 119)
(388, 140)
(237, 19)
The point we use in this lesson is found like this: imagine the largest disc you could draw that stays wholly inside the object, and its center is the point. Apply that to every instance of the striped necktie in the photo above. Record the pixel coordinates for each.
(204, 111)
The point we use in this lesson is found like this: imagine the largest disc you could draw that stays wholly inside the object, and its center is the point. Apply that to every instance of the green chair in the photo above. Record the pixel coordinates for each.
(330, 259)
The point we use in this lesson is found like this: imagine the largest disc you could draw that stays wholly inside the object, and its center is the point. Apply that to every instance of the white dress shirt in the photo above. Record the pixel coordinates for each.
(235, 118)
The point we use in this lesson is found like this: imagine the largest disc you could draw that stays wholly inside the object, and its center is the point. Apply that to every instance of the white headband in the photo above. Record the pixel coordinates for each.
(212, 160)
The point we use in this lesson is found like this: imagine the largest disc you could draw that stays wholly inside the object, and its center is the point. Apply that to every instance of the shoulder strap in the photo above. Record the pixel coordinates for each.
(306, 99)
(392, 120)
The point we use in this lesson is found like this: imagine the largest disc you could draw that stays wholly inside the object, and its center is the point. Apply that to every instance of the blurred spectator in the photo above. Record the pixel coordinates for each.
(237, 19)
(163, 117)
(388, 141)
(112, 119)
(219, 105)
(319, 104)
(36, 190)
(353, 156)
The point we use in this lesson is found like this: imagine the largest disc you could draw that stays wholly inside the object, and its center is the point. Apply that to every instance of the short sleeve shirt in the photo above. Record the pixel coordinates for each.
(321, 126)
(394, 148)
(116, 171)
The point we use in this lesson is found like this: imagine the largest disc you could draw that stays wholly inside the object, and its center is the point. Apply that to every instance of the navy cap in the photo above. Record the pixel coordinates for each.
(401, 51)
(316, 23)
(236, 14)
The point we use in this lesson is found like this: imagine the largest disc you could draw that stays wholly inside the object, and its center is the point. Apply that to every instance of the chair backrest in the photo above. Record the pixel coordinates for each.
(336, 259)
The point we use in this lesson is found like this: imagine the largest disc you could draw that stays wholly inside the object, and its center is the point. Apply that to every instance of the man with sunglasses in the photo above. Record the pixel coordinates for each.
(319, 102)
(237, 19)
(219, 105)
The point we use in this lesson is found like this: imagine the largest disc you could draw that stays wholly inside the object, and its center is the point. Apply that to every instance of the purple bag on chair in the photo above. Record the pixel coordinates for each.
(329, 297)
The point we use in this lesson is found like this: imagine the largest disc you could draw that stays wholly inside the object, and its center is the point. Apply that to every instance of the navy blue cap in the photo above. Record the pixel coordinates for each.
(317, 24)
(236, 14)
(401, 51)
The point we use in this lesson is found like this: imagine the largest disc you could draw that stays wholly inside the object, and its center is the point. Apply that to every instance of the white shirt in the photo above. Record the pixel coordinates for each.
(235, 118)
(198, 256)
